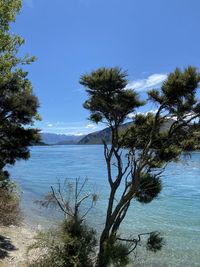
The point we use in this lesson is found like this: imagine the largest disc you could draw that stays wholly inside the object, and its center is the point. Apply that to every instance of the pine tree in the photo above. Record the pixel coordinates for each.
(148, 146)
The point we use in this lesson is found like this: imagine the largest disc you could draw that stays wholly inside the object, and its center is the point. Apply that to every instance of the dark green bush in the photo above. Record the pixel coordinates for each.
(72, 244)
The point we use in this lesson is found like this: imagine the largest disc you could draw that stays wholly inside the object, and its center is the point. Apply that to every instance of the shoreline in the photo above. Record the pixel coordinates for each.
(14, 241)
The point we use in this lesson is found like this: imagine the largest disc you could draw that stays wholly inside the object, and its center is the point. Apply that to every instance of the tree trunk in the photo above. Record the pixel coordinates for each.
(102, 261)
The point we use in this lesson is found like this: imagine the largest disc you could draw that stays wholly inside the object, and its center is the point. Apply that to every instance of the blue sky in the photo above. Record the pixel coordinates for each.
(72, 37)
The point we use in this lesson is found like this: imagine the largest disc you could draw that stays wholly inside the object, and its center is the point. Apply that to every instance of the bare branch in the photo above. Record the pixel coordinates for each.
(134, 242)
(59, 203)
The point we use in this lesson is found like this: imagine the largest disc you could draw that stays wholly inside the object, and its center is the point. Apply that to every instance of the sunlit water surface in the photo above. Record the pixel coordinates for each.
(176, 213)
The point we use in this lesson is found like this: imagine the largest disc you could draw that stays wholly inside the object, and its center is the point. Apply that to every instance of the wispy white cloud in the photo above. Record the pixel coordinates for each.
(68, 128)
(150, 82)
(132, 115)
(77, 134)
(91, 126)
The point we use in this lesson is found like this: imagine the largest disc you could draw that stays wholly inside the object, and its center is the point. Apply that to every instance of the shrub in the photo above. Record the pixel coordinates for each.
(72, 244)
(10, 212)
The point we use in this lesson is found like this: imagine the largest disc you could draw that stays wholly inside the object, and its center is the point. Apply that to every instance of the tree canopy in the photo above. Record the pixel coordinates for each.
(18, 104)
(108, 101)
(149, 144)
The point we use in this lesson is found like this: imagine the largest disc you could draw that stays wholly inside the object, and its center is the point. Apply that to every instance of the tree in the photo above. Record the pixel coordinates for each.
(148, 146)
(18, 104)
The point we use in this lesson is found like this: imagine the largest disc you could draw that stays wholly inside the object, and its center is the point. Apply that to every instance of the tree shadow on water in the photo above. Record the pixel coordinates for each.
(5, 247)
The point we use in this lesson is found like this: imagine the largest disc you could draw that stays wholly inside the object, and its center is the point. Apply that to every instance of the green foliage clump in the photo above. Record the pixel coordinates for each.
(116, 253)
(149, 188)
(4, 180)
(189, 145)
(18, 105)
(72, 244)
(169, 153)
(138, 133)
(155, 242)
(107, 97)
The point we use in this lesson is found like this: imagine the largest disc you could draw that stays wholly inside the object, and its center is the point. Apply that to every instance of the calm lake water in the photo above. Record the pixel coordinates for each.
(176, 213)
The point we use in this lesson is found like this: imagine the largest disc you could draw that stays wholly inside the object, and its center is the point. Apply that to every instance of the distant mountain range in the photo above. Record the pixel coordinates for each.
(90, 139)
(59, 139)
(96, 137)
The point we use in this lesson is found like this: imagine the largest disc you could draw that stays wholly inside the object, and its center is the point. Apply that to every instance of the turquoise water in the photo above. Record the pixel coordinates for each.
(176, 213)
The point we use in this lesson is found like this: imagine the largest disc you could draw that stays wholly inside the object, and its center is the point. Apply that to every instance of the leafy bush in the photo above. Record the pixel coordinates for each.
(72, 244)
(116, 253)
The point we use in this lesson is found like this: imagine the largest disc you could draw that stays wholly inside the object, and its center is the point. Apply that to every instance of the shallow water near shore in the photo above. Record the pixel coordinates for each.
(176, 213)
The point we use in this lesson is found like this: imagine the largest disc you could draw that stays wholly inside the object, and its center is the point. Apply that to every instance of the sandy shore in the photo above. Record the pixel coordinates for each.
(14, 242)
